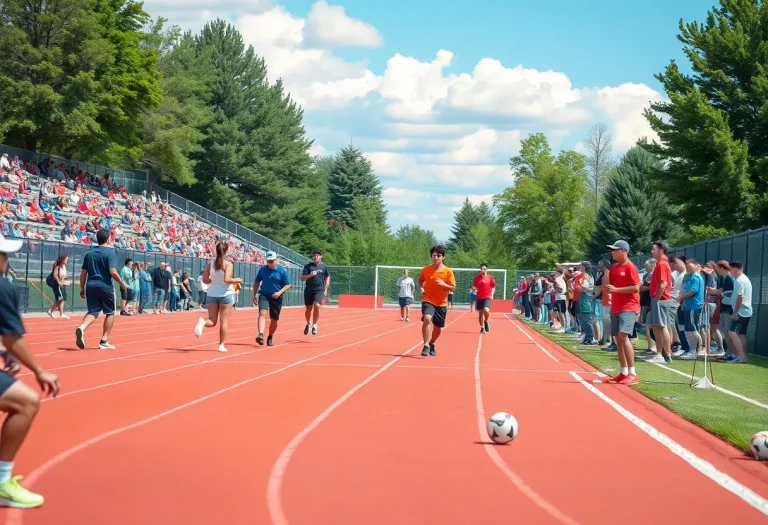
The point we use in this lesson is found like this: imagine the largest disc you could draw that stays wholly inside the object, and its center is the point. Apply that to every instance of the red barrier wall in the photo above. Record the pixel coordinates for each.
(359, 301)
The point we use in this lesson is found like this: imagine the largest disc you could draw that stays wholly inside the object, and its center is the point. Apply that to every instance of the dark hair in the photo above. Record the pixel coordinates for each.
(735, 265)
(221, 251)
(437, 248)
(60, 260)
(661, 245)
(605, 263)
(317, 251)
(102, 236)
(678, 258)
(486, 266)
(128, 260)
(587, 266)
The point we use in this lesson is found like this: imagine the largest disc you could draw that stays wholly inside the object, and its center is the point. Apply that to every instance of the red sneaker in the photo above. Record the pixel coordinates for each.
(631, 379)
(618, 379)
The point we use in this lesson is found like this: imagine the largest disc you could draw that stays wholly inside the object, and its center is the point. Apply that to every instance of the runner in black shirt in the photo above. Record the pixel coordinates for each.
(317, 279)
(17, 399)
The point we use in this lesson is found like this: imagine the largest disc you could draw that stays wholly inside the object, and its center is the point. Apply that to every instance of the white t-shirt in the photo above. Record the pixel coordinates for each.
(743, 287)
(560, 283)
(405, 287)
(677, 285)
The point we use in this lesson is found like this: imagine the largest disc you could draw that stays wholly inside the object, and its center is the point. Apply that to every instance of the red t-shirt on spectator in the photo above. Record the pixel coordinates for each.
(577, 281)
(484, 285)
(662, 272)
(620, 276)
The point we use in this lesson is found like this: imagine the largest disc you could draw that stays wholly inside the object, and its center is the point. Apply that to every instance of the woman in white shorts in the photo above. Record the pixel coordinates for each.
(221, 294)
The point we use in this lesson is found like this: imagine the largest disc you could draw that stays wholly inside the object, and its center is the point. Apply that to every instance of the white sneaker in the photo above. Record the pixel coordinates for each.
(222, 348)
(199, 327)
(106, 346)
(64, 316)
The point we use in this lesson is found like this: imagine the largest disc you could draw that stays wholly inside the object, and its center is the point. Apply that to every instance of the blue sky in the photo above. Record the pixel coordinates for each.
(439, 94)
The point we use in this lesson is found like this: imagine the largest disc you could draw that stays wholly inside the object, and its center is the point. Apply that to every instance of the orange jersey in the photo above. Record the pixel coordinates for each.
(433, 292)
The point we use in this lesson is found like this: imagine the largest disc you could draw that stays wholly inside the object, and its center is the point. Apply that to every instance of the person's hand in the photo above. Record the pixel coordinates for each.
(441, 283)
(610, 288)
(325, 293)
(123, 287)
(49, 383)
(82, 293)
(255, 300)
(276, 295)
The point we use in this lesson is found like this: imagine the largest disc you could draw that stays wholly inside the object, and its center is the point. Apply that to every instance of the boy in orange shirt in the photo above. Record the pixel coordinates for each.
(436, 281)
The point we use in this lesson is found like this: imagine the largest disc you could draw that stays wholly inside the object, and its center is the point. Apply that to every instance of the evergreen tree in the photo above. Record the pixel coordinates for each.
(352, 178)
(464, 220)
(631, 209)
(713, 128)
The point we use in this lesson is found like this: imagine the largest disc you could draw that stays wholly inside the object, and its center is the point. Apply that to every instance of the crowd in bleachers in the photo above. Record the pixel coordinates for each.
(46, 201)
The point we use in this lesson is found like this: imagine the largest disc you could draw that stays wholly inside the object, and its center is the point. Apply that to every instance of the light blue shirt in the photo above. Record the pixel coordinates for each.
(694, 284)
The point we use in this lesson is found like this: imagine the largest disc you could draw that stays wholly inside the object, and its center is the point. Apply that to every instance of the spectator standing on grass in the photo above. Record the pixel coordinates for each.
(742, 313)
(624, 287)
(725, 287)
(584, 285)
(693, 302)
(663, 309)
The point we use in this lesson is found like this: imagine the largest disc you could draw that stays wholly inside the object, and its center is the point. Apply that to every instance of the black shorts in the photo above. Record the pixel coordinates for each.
(273, 305)
(313, 296)
(404, 301)
(438, 313)
(59, 292)
(5, 382)
(127, 295)
(481, 304)
(740, 325)
(99, 300)
(560, 306)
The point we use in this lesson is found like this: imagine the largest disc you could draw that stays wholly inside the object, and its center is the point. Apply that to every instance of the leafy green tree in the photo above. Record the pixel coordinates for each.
(632, 210)
(541, 215)
(714, 127)
(464, 220)
(75, 76)
(352, 178)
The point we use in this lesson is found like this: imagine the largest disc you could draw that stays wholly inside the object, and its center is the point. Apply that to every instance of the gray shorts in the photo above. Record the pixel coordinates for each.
(662, 313)
(623, 322)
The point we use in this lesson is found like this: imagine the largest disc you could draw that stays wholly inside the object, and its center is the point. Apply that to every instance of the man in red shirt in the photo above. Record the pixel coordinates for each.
(485, 286)
(624, 287)
(662, 310)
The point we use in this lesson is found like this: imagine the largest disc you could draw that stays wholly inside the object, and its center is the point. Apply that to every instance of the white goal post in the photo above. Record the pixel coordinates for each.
(385, 283)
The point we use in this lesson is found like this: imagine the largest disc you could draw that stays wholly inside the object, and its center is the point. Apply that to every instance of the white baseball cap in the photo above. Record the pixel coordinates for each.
(271, 256)
(10, 245)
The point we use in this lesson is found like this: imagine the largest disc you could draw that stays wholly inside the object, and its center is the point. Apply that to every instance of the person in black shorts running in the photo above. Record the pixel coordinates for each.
(317, 279)
(98, 270)
(274, 281)
(17, 399)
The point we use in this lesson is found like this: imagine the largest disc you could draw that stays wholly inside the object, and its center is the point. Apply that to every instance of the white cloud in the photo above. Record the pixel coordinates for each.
(329, 25)
(624, 105)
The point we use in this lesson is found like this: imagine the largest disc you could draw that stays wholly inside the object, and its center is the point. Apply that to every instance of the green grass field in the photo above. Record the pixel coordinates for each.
(724, 415)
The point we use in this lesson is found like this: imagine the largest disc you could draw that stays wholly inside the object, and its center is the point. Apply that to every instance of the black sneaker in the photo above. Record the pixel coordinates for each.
(306, 329)
(432, 351)
(425, 351)
(269, 341)
(487, 327)
(260, 339)
(482, 330)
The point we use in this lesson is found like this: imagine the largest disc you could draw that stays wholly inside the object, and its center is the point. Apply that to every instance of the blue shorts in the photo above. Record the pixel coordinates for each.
(227, 299)
(100, 300)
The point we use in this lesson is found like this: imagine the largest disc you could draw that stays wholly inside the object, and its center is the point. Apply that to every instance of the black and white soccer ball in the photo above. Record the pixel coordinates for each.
(502, 427)
(758, 444)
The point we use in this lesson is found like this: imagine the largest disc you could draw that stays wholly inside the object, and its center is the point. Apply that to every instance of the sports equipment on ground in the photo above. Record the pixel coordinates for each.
(758, 444)
(502, 427)
(387, 277)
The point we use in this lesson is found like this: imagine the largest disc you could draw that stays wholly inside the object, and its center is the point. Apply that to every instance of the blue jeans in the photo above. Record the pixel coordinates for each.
(586, 326)
(159, 298)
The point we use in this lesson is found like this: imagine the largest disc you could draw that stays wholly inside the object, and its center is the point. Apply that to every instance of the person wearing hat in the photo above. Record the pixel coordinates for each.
(624, 287)
(317, 278)
(274, 281)
(17, 399)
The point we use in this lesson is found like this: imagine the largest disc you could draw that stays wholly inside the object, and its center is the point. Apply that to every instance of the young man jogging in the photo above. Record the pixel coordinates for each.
(17, 399)
(484, 285)
(98, 270)
(436, 282)
(274, 281)
(317, 279)
(624, 287)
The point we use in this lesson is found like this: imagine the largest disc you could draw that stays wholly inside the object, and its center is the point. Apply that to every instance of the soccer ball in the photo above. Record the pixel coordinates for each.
(502, 427)
(758, 444)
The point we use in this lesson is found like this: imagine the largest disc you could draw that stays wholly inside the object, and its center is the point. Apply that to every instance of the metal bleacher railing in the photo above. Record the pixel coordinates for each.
(137, 181)
(751, 249)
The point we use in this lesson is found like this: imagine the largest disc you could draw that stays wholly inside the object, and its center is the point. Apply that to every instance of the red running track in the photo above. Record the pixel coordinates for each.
(354, 426)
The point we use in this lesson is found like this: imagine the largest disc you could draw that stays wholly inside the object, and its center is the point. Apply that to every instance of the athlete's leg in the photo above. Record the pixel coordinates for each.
(225, 309)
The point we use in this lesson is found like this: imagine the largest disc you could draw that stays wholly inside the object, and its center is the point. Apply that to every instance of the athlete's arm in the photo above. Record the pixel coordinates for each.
(83, 276)
(18, 347)
(327, 283)
(306, 274)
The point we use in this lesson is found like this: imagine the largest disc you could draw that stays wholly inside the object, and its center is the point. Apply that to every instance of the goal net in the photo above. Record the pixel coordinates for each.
(387, 277)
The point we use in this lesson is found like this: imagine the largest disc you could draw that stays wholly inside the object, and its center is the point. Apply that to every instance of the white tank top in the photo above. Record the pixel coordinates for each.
(63, 273)
(218, 288)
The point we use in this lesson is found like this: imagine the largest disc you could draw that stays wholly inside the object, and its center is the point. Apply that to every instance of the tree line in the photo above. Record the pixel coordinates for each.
(105, 83)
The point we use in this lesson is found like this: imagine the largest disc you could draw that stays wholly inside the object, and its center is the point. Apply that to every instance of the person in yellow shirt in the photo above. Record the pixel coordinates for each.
(436, 282)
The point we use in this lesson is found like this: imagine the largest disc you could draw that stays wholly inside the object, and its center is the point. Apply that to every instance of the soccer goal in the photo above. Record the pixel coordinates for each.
(387, 277)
